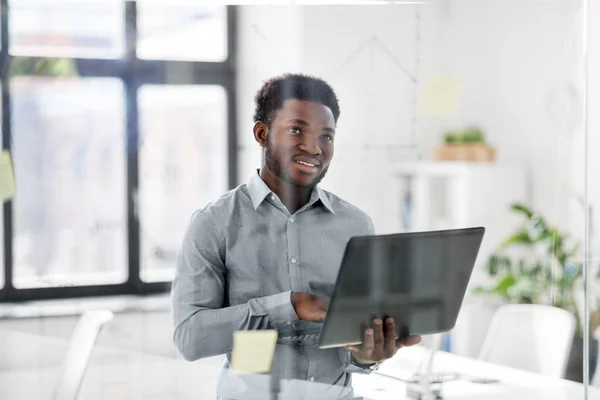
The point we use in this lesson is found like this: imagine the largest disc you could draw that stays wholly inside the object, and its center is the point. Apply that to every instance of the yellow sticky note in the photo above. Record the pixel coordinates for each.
(253, 351)
(441, 96)
(8, 187)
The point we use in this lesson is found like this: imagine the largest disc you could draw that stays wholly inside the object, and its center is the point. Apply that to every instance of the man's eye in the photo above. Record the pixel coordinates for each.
(294, 130)
(328, 137)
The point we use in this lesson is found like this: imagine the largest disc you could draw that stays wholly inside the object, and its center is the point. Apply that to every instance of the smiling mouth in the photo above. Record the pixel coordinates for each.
(306, 164)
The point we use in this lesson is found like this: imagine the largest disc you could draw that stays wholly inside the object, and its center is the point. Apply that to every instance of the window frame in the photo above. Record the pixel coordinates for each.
(133, 72)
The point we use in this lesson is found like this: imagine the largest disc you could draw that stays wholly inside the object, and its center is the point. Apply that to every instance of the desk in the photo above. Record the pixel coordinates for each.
(29, 368)
(514, 384)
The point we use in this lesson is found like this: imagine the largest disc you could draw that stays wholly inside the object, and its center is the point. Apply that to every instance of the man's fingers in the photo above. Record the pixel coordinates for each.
(353, 349)
(390, 337)
(323, 303)
(368, 344)
(409, 341)
(378, 336)
(320, 306)
(320, 315)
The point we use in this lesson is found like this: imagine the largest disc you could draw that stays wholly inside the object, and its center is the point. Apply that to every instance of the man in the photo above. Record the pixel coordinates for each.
(266, 254)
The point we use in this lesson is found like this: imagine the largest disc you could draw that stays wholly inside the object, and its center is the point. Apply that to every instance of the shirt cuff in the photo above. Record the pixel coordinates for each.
(280, 309)
(356, 368)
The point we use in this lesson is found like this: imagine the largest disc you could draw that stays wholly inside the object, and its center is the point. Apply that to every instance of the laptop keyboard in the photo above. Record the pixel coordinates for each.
(308, 339)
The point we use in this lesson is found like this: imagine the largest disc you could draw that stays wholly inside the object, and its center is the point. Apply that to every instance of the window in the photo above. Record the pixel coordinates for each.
(67, 28)
(112, 149)
(183, 165)
(69, 213)
(180, 33)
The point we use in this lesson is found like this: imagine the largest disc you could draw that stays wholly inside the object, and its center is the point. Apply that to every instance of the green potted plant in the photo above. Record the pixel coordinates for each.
(537, 264)
(465, 145)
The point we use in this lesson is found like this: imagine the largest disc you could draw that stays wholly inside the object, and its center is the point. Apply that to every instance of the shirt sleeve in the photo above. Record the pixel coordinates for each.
(203, 327)
(369, 225)
(356, 368)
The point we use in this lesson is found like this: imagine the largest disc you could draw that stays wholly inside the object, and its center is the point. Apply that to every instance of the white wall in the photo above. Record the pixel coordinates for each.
(517, 60)
(269, 42)
(342, 45)
(593, 127)
(593, 180)
(368, 55)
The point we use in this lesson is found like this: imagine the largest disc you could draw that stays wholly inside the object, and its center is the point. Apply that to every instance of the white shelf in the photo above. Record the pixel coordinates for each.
(449, 168)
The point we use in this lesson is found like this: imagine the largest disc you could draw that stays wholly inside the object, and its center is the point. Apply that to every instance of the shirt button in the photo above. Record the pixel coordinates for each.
(273, 197)
(292, 220)
(293, 260)
(312, 378)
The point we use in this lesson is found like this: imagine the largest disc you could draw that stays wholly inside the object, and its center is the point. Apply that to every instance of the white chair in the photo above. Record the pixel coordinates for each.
(78, 353)
(532, 337)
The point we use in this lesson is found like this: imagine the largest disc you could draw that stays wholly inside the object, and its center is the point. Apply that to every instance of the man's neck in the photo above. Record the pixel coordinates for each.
(293, 197)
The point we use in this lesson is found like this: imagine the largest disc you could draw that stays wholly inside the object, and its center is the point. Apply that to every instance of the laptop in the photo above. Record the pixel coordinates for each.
(419, 279)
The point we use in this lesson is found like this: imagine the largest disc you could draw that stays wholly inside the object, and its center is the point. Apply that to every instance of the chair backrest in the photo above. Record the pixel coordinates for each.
(532, 337)
(78, 353)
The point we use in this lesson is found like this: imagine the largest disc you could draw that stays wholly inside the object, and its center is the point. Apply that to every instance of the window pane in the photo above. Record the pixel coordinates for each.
(67, 28)
(183, 165)
(70, 216)
(181, 32)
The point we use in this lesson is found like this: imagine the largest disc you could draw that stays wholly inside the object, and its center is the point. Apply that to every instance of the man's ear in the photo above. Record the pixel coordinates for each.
(260, 133)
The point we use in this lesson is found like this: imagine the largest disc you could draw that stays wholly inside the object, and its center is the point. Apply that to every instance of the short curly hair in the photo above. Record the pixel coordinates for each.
(274, 92)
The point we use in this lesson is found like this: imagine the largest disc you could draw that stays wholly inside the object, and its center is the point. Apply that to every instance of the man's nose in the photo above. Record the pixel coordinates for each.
(311, 146)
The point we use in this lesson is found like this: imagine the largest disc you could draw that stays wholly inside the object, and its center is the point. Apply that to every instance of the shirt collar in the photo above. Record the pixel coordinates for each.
(259, 190)
(321, 195)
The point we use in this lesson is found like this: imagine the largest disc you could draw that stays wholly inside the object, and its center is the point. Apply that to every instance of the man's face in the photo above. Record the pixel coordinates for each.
(299, 144)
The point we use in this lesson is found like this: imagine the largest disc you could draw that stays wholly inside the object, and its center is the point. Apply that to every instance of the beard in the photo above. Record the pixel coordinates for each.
(274, 165)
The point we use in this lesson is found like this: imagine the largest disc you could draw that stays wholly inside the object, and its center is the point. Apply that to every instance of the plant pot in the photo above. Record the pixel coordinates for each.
(478, 152)
(574, 370)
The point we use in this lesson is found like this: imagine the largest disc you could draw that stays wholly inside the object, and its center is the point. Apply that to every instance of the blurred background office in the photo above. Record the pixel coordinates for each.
(123, 117)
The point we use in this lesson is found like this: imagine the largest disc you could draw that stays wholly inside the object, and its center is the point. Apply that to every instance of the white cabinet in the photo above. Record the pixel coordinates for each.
(447, 195)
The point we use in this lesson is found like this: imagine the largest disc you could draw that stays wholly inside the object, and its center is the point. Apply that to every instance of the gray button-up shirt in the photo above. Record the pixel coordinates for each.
(241, 257)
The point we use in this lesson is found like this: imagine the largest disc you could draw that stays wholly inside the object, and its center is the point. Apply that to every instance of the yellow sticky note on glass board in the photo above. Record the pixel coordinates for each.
(441, 96)
(253, 351)
(8, 187)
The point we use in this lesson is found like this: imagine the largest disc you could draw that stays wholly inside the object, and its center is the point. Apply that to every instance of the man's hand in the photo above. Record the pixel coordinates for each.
(380, 343)
(309, 307)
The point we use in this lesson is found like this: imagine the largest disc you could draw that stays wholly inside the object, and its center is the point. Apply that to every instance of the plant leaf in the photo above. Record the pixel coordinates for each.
(522, 209)
(503, 287)
(493, 264)
(520, 237)
(506, 262)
